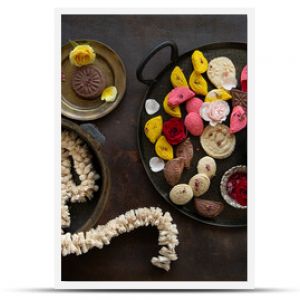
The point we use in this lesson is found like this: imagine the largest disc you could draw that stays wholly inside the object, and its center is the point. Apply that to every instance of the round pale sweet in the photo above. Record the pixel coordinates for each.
(220, 70)
(217, 141)
(181, 194)
(200, 184)
(208, 166)
(193, 105)
(194, 123)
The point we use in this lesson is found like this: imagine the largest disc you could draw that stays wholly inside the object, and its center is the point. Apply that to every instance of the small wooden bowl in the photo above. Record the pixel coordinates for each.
(85, 215)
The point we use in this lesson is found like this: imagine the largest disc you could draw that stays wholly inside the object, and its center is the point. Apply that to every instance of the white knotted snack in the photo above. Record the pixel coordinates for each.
(73, 147)
(79, 243)
(82, 242)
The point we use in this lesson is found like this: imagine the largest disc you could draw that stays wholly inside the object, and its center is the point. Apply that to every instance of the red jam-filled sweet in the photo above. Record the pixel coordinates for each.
(237, 187)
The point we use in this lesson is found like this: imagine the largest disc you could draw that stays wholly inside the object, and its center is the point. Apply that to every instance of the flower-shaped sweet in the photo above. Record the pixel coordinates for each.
(215, 112)
(174, 131)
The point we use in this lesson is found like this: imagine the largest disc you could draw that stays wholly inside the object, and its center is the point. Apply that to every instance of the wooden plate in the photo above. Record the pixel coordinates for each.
(74, 107)
(85, 215)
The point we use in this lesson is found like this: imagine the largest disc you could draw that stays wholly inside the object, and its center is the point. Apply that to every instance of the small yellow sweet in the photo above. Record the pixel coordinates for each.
(163, 149)
(199, 62)
(153, 128)
(172, 111)
(109, 94)
(82, 55)
(198, 84)
(178, 78)
(217, 94)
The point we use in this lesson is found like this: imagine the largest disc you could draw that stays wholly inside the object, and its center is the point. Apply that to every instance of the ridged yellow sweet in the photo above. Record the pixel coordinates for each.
(177, 77)
(199, 62)
(217, 94)
(153, 128)
(198, 84)
(172, 111)
(163, 149)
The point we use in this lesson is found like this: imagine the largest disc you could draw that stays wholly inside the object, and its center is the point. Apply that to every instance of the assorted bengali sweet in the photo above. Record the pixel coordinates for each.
(189, 116)
(87, 80)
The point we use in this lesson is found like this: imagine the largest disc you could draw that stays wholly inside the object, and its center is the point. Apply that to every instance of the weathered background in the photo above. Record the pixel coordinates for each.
(206, 253)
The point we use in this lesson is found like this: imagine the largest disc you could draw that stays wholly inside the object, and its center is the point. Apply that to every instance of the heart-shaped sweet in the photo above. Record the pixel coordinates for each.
(244, 79)
(238, 119)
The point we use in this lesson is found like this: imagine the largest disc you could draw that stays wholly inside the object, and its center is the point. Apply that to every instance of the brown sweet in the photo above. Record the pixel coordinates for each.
(208, 208)
(88, 82)
(173, 170)
(185, 150)
(239, 98)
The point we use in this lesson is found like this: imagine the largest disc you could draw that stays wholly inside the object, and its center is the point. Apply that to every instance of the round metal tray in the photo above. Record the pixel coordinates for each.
(157, 89)
(109, 62)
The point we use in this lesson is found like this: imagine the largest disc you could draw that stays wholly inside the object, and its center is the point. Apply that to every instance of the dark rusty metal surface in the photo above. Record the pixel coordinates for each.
(205, 252)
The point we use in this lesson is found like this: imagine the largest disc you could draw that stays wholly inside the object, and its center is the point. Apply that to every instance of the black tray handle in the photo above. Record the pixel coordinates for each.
(141, 66)
(94, 132)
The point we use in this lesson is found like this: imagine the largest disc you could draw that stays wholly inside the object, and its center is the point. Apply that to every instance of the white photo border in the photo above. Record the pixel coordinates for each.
(156, 285)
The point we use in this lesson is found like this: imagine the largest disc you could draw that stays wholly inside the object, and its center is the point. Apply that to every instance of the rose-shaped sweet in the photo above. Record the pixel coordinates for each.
(215, 112)
(82, 55)
(174, 131)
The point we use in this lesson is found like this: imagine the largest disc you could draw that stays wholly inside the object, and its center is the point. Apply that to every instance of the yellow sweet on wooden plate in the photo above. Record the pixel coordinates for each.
(109, 94)
(172, 111)
(153, 128)
(163, 149)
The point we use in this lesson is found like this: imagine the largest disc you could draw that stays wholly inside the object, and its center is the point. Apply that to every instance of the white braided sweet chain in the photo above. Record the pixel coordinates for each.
(82, 242)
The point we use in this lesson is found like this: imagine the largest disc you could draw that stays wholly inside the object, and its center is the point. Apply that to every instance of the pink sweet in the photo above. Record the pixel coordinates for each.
(179, 95)
(238, 119)
(244, 79)
(193, 123)
(193, 105)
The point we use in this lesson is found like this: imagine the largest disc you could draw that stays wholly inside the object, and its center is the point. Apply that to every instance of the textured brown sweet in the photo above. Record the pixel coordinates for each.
(185, 150)
(239, 98)
(173, 170)
(208, 208)
(88, 82)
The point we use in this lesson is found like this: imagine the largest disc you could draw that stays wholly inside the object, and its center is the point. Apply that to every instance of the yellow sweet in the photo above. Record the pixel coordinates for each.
(178, 78)
(153, 128)
(198, 84)
(82, 55)
(172, 111)
(217, 94)
(199, 62)
(109, 94)
(163, 149)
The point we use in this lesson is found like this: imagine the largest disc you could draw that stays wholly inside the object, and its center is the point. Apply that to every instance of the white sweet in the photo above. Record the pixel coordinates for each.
(82, 242)
(181, 194)
(73, 146)
(208, 166)
(156, 164)
(100, 236)
(151, 106)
